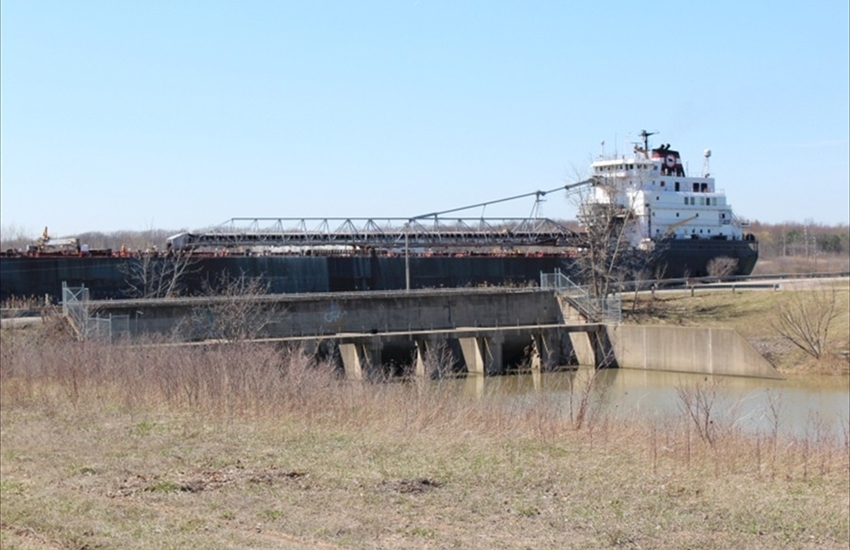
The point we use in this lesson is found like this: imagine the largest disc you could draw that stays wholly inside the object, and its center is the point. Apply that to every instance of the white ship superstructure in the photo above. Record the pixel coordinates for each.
(657, 200)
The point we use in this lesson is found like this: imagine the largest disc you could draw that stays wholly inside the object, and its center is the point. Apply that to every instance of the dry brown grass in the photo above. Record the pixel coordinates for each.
(241, 446)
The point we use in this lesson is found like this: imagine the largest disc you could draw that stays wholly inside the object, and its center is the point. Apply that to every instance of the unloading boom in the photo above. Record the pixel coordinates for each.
(427, 231)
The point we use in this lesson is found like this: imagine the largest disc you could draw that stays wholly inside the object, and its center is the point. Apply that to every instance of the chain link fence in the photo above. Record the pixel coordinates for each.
(76, 307)
(595, 309)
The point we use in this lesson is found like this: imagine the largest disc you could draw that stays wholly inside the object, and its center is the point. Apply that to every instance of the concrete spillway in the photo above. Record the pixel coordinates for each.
(488, 331)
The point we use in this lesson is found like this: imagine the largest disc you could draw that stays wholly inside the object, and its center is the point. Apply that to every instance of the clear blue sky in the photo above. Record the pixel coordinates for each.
(182, 114)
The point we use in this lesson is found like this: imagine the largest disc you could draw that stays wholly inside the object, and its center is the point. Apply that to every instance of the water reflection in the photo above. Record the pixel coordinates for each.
(622, 393)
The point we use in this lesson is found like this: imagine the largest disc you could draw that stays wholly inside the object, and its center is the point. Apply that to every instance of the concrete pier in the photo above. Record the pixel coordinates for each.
(482, 349)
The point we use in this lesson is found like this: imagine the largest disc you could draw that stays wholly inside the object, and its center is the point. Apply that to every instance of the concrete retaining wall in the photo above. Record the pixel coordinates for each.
(687, 349)
(334, 313)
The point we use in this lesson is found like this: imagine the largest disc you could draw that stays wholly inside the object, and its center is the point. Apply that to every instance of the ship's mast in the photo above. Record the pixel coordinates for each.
(645, 135)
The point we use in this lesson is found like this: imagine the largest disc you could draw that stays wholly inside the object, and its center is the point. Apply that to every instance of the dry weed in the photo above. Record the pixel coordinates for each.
(240, 445)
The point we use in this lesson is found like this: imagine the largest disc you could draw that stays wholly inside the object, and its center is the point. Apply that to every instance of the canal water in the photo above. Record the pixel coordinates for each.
(800, 404)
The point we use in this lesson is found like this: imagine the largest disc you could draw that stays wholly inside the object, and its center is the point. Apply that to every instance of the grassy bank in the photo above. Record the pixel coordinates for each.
(236, 447)
(754, 314)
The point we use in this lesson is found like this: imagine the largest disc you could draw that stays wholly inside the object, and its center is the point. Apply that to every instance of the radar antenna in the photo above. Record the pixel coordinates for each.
(645, 135)
(645, 150)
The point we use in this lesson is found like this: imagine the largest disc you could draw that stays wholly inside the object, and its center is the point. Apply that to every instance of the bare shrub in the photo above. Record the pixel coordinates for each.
(775, 404)
(236, 310)
(438, 361)
(805, 319)
(722, 266)
(585, 398)
(226, 380)
(697, 402)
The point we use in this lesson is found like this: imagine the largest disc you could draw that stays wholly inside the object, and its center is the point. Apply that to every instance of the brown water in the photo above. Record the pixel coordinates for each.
(805, 403)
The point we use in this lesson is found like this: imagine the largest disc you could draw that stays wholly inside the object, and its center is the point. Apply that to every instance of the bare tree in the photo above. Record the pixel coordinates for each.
(722, 266)
(151, 275)
(14, 237)
(805, 319)
(607, 258)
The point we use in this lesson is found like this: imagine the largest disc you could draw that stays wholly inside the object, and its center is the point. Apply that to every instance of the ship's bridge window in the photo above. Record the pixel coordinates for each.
(686, 200)
(696, 187)
(677, 186)
(703, 187)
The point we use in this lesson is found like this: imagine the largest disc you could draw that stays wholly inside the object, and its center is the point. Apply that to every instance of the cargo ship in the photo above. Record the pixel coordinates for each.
(681, 225)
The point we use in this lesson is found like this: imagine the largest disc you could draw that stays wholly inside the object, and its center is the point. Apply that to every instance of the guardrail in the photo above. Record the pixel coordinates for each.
(650, 283)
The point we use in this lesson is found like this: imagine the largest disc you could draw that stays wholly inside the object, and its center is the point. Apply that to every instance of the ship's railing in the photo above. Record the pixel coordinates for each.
(739, 221)
(595, 309)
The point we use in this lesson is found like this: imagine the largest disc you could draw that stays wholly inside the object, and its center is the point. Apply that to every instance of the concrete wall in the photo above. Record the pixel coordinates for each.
(687, 349)
(334, 313)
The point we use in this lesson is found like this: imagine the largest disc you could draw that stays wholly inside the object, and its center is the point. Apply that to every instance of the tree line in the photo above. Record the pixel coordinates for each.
(805, 239)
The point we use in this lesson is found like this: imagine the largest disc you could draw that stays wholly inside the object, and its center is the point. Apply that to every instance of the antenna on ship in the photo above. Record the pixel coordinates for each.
(707, 155)
(645, 135)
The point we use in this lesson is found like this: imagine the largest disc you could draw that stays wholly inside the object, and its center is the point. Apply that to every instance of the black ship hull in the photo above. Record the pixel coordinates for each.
(692, 257)
(107, 277)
